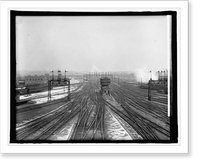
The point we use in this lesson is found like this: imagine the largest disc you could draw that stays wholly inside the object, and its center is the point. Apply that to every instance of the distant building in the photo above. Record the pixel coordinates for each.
(48, 77)
(41, 78)
(36, 79)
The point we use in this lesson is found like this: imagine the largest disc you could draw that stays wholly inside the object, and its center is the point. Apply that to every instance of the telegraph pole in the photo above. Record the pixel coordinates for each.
(164, 76)
(65, 80)
(52, 75)
(149, 87)
(49, 85)
(68, 90)
(49, 90)
(149, 90)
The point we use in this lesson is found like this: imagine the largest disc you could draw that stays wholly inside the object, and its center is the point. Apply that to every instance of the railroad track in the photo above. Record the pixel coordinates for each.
(93, 129)
(43, 127)
(37, 106)
(141, 104)
(79, 129)
(89, 106)
(148, 123)
(30, 128)
(139, 128)
(157, 97)
(46, 125)
(145, 127)
(138, 124)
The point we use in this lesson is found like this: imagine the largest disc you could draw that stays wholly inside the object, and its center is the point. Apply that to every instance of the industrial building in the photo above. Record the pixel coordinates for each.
(35, 79)
(162, 75)
(41, 79)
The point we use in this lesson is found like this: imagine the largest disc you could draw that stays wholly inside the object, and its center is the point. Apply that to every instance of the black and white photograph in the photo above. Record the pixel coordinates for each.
(93, 77)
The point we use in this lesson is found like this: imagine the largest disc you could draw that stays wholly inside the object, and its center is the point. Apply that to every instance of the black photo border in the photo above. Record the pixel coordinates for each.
(173, 86)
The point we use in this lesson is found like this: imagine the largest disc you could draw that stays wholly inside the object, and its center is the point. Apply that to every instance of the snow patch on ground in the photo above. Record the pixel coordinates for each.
(64, 134)
(134, 135)
(41, 97)
(55, 90)
(114, 130)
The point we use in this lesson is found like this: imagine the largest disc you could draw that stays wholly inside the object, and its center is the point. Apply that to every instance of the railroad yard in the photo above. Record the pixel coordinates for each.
(124, 114)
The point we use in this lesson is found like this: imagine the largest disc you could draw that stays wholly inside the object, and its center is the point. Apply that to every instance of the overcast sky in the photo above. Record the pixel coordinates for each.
(103, 43)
